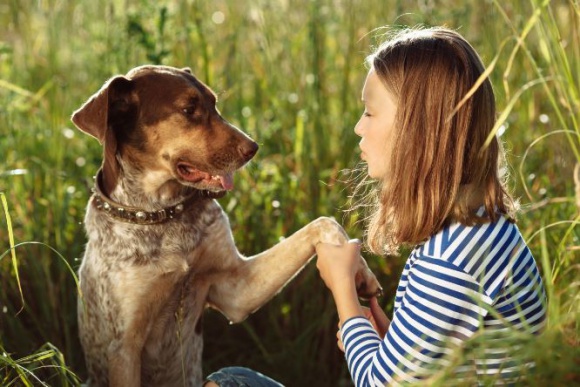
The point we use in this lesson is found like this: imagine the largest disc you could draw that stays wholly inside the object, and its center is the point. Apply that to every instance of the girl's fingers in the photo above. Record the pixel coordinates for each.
(339, 341)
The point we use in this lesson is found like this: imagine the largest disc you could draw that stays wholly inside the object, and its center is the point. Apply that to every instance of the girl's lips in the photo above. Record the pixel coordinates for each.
(362, 154)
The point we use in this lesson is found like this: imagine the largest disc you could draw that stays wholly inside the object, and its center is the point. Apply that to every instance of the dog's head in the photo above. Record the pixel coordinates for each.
(164, 121)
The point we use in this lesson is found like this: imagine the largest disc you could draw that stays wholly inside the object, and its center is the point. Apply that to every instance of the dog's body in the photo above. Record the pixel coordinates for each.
(160, 248)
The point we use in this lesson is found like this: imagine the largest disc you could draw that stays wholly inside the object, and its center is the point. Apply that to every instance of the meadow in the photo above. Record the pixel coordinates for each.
(289, 73)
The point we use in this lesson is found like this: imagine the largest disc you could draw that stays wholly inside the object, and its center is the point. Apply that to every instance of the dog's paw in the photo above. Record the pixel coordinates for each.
(328, 230)
(367, 285)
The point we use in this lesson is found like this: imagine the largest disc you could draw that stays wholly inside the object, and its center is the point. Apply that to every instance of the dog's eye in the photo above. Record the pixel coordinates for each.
(189, 110)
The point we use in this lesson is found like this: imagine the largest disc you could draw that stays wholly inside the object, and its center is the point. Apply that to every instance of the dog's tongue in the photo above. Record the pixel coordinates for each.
(227, 181)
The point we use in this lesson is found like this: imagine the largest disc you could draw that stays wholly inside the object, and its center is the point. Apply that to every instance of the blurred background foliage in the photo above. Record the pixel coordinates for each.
(290, 74)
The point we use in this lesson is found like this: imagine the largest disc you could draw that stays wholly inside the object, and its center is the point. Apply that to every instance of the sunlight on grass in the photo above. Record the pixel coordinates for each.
(45, 367)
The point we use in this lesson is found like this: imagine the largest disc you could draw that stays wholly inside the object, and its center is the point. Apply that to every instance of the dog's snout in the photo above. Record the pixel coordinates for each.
(248, 149)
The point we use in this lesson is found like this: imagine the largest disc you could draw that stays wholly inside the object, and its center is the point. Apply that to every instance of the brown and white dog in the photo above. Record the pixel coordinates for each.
(159, 247)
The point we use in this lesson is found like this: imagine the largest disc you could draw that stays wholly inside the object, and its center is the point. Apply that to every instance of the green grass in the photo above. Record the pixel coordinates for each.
(289, 75)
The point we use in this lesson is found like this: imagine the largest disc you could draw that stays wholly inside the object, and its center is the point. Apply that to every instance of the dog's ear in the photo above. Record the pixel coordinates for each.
(187, 70)
(95, 116)
(92, 118)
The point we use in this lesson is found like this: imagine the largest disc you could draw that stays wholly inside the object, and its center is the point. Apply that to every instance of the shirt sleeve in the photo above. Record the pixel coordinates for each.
(442, 306)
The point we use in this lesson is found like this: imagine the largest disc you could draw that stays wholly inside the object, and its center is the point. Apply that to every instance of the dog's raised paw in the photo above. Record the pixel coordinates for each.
(367, 285)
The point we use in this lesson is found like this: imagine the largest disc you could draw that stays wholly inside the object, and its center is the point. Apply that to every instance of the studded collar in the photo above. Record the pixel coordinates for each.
(140, 216)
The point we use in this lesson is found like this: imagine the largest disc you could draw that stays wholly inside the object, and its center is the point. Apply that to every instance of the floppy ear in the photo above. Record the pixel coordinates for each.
(186, 69)
(94, 119)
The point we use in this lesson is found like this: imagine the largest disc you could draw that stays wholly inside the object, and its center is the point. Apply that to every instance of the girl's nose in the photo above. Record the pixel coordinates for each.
(358, 129)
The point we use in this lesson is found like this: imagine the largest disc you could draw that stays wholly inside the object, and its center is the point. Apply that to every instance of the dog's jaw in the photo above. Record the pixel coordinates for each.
(162, 186)
(158, 188)
(188, 174)
(150, 189)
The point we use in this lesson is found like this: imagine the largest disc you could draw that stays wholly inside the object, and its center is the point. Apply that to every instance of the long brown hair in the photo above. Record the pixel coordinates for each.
(440, 170)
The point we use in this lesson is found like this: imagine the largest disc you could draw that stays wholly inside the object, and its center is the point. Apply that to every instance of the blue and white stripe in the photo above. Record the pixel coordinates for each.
(445, 294)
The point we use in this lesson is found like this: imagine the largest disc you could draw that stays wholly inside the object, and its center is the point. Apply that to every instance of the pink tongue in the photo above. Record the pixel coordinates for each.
(227, 181)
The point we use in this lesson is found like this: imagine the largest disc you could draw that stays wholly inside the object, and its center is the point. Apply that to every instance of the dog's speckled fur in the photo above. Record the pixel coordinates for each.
(144, 287)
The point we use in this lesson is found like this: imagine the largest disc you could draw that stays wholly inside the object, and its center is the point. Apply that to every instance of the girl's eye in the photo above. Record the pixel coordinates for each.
(366, 114)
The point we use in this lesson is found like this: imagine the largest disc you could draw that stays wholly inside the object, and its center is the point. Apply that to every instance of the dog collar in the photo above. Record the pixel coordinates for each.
(140, 216)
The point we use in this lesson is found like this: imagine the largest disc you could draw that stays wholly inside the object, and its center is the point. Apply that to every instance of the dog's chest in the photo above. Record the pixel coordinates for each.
(170, 246)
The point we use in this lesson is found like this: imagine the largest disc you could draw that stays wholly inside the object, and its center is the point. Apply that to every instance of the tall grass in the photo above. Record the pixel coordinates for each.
(290, 74)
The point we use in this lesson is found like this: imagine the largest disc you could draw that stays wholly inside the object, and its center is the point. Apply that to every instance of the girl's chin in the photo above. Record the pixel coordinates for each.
(371, 175)
(374, 174)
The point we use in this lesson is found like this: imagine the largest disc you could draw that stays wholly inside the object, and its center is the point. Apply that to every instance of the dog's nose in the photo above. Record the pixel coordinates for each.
(248, 149)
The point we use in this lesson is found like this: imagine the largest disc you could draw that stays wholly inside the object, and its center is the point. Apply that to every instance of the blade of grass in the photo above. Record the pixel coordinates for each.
(12, 247)
(507, 110)
(537, 68)
(528, 149)
(489, 69)
(67, 264)
(520, 38)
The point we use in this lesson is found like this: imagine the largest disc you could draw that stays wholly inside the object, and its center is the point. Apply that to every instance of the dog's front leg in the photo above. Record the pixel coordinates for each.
(143, 292)
(125, 362)
(254, 280)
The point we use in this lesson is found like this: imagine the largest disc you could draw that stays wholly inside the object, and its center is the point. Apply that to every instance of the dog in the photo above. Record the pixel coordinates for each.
(160, 248)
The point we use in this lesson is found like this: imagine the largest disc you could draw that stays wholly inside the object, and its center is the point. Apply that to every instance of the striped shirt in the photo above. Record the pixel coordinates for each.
(462, 279)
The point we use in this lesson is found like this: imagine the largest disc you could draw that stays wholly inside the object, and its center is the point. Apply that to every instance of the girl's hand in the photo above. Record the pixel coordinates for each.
(337, 264)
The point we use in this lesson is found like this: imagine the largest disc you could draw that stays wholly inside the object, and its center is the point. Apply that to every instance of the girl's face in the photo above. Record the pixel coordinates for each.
(376, 126)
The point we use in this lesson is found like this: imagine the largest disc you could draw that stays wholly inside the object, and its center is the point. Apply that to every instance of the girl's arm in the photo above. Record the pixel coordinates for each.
(337, 265)
(431, 319)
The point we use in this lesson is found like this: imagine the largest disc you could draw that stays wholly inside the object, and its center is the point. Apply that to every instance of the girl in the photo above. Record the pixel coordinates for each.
(424, 136)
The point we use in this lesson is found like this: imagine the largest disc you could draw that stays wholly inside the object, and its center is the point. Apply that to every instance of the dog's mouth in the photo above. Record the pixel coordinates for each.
(193, 175)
